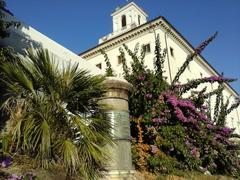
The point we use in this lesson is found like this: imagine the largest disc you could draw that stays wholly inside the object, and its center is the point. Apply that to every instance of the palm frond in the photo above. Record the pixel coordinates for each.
(15, 75)
(70, 156)
(61, 119)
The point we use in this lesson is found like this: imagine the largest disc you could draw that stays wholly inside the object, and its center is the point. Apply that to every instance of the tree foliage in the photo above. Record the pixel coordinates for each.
(4, 24)
(173, 132)
(54, 114)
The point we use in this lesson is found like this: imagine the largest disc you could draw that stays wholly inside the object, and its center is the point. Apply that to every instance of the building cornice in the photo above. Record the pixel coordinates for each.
(128, 5)
(121, 38)
(169, 29)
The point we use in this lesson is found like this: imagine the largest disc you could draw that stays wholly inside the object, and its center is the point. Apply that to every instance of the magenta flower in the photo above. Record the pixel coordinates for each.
(179, 114)
(172, 100)
(202, 46)
(186, 104)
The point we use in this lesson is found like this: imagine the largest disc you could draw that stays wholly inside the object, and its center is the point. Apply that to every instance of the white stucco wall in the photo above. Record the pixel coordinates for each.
(25, 37)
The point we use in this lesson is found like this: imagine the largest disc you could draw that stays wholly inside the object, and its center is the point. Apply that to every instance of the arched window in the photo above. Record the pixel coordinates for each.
(124, 21)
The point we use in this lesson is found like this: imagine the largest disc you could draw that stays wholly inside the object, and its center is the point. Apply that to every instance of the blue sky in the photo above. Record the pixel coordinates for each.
(78, 24)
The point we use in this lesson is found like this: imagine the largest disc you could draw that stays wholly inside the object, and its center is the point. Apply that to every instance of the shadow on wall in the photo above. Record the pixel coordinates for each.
(19, 41)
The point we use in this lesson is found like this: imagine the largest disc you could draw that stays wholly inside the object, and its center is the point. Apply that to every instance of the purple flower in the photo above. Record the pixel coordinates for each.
(204, 107)
(226, 130)
(217, 136)
(206, 149)
(6, 162)
(214, 165)
(202, 46)
(187, 143)
(213, 79)
(203, 116)
(149, 95)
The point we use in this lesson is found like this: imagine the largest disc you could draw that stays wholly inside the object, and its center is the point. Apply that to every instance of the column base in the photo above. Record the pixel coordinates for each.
(120, 175)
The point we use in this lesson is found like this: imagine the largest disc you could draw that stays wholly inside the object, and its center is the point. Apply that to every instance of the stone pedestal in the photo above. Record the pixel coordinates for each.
(120, 167)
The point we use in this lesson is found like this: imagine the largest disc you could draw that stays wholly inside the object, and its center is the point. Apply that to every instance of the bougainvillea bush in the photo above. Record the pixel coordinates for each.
(173, 133)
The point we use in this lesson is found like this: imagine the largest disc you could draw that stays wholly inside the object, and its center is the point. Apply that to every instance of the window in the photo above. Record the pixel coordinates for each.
(99, 65)
(139, 19)
(119, 59)
(146, 48)
(172, 51)
(124, 21)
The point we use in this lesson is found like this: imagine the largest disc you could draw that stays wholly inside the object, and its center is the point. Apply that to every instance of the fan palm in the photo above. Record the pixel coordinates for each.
(54, 114)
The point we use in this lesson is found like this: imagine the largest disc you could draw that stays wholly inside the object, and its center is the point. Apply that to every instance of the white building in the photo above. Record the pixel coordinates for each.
(130, 26)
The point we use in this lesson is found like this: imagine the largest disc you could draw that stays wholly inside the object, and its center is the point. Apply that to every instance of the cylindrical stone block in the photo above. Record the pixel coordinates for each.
(116, 101)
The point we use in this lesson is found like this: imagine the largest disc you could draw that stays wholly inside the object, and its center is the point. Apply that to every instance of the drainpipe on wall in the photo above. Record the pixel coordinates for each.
(169, 66)
(237, 119)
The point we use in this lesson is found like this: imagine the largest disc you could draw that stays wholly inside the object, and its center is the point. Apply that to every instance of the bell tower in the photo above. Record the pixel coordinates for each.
(126, 18)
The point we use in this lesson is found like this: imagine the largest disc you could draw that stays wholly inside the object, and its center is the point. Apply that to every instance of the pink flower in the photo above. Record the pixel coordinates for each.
(157, 120)
(148, 96)
(141, 77)
(166, 111)
(154, 149)
(217, 136)
(194, 121)
(209, 126)
(195, 153)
